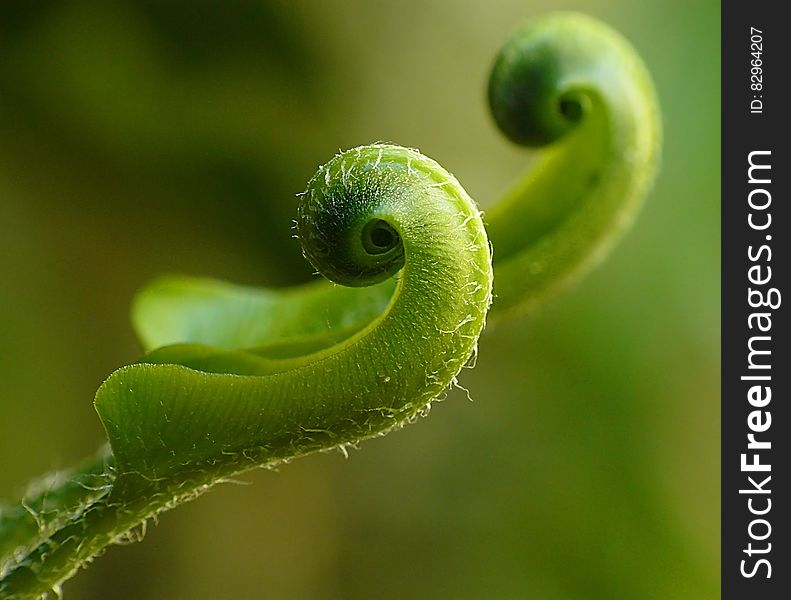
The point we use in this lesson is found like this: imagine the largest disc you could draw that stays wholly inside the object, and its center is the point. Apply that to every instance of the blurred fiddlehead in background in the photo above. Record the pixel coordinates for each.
(238, 377)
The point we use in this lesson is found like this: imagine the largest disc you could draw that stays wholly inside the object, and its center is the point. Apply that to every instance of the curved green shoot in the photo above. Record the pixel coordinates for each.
(187, 416)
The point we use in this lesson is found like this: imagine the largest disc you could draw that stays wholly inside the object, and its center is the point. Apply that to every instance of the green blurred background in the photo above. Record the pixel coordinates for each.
(154, 136)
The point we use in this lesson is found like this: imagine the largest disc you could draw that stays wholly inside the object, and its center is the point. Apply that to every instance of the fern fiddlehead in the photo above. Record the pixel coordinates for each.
(188, 415)
(238, 377)
(572, 84)
(566, 83)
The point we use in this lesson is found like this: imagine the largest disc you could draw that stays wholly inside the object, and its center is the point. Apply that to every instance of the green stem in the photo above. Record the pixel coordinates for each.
(50, 502)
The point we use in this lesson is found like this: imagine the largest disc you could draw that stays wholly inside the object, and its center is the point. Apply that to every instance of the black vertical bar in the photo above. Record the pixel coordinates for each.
(755, 103)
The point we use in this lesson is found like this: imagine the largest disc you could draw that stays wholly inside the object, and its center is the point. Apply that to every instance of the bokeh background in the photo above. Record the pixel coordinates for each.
(153, 136)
